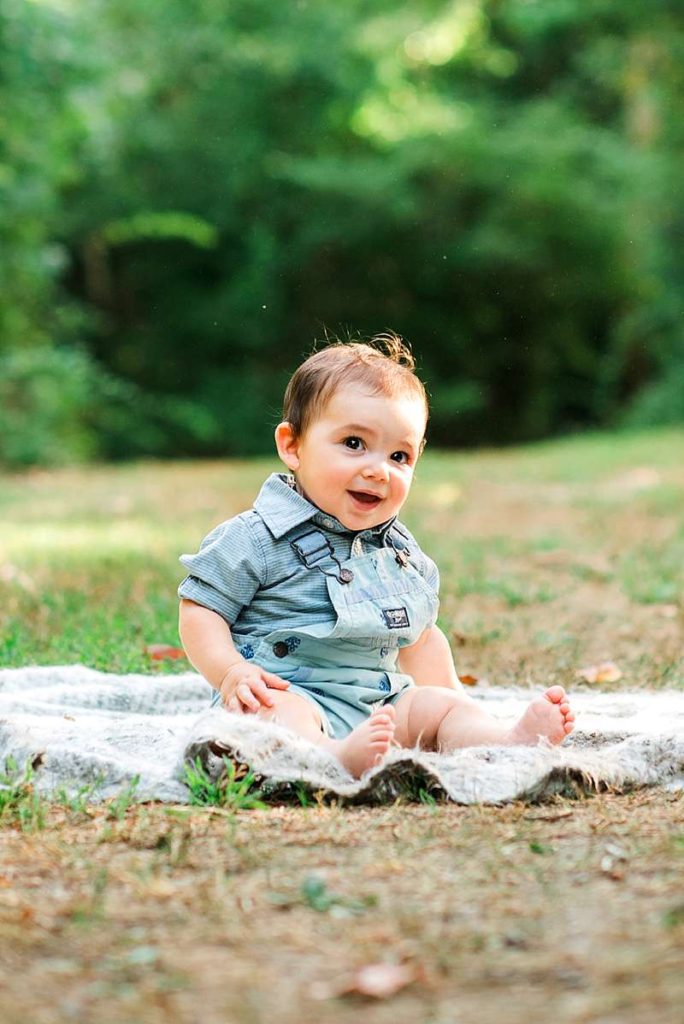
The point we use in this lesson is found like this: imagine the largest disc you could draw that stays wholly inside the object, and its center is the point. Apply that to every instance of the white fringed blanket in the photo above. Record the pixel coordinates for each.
(81, 727)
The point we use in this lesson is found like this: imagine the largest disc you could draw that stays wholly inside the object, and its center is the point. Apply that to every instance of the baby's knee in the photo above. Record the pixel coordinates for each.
(429, 708)
(289, 707)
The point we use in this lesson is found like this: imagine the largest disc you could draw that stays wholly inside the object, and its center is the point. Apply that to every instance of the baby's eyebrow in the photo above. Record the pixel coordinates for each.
(358, 427)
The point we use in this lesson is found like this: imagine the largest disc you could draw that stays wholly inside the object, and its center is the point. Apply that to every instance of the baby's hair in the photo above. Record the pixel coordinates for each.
(385, 365)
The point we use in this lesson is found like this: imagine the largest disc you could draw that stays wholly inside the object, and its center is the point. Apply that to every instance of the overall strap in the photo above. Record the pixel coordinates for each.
(315, 547)
(398, 540)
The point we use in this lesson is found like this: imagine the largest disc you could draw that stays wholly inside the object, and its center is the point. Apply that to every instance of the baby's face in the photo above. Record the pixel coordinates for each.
(356, 460)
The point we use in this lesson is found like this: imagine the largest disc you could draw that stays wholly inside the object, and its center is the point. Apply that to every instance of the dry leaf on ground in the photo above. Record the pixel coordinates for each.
(606, 672)
(375, 981)
(467, 679)
(160, 652)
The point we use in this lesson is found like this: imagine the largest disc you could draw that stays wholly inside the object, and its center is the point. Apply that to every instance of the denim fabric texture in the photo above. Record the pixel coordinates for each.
(321, 606)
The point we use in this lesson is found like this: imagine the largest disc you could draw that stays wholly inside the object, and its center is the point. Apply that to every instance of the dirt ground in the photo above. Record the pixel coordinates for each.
(552, 559)
(571, 911)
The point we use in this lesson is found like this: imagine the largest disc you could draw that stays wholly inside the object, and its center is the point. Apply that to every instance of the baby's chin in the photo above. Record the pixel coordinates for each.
(365, 519)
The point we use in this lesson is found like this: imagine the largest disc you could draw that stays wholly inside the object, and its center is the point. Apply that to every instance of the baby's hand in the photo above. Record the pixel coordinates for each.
(245, 686)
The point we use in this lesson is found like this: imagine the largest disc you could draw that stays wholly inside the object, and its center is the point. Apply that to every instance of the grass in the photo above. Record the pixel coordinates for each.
(235, 788)
(19, 802)
(552, 557)
(579, 538)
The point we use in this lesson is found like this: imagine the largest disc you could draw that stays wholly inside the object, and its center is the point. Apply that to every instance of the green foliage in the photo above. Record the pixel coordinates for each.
(234, 789)
(78, 802)
(57, 405)
(45, 401)
(118, 805)
(195, 191)
(661, 401)
(160, 226)
(19, 802)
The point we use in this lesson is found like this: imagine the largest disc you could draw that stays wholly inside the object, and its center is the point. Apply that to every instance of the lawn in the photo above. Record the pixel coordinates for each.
(554, 557)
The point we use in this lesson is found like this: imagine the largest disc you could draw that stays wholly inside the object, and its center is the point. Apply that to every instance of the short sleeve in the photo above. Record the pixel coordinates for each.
(227, 571)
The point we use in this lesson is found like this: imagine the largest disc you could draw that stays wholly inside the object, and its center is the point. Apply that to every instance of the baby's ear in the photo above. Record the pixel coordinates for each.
(287, 444)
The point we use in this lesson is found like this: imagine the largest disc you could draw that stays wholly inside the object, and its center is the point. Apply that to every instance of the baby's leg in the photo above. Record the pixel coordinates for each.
(439, 719)
(359, 751)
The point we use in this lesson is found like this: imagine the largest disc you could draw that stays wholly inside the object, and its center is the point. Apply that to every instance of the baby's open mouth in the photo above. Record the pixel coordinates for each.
(366, 499)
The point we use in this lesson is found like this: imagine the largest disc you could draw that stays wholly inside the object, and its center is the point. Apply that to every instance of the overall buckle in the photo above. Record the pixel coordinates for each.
(314, 547)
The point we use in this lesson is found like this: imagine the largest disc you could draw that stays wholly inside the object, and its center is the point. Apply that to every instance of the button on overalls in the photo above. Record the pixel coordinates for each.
(345, 666)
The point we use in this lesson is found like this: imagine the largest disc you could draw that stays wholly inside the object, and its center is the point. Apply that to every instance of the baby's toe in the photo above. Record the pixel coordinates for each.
(381, 718)
(382, 735)
(556, 694)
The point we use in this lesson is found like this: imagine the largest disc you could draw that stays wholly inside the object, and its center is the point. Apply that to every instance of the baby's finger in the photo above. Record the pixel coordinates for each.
(246, 697)
(234, 705)
(260, 691)
(275, 682)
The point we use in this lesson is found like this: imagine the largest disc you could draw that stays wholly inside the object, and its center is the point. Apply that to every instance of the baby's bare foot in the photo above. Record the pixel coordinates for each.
(368, 743)
(548, 716)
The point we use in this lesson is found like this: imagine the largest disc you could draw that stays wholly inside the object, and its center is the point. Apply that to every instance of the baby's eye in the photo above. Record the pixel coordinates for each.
(354, 443)
(402, 457)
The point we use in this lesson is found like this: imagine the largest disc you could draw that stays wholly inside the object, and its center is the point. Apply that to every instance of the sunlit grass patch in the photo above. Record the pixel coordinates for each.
(654, 574)
(576, 538)
(102, 614)
(96, 541)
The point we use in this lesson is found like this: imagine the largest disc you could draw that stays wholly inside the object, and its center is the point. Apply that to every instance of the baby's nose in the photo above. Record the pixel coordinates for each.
(378, 469)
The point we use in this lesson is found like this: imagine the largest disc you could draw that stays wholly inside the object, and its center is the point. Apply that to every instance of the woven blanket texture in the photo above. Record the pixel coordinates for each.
(82, 728)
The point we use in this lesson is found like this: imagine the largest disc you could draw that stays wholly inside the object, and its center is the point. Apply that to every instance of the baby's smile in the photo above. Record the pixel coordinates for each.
(366, 499)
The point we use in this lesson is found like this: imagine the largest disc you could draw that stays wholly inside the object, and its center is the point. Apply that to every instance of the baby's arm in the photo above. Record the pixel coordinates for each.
(209, 646)
(430, 660)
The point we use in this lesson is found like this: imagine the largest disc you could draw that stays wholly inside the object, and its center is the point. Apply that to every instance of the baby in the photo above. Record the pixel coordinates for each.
(317, 608)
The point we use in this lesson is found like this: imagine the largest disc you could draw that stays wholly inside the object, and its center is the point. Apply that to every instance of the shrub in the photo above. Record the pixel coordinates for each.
(58, 406)
(46, 396)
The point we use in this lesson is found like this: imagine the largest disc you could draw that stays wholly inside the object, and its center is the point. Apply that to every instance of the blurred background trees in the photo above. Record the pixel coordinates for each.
(192, 191)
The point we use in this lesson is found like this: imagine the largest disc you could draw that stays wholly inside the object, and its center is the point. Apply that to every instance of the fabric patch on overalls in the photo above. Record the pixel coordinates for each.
(395, 618)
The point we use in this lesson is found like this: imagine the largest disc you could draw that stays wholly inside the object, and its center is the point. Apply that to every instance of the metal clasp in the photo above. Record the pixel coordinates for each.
(400, 551)
(314, 547)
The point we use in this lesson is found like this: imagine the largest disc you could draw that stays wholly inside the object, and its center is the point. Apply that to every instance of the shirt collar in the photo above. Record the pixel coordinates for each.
(283, 508)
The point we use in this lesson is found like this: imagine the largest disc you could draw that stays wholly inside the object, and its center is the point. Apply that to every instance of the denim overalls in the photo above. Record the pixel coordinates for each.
(382, 603)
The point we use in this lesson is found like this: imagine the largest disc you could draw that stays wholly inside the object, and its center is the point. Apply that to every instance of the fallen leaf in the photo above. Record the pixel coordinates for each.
(159, 652)
(605, 672)
(609, 868)
(467, 679)
(380, 981)
(375, 981)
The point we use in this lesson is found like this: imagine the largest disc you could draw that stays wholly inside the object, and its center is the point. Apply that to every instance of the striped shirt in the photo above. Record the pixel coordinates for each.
(247, 571)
